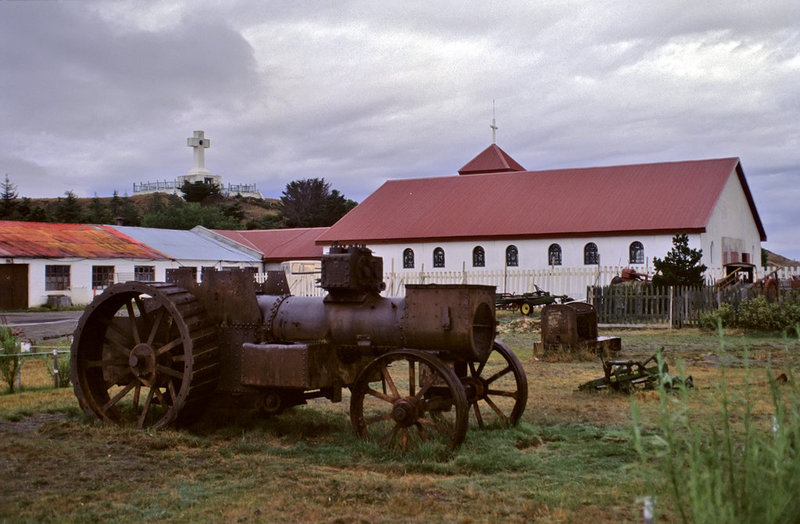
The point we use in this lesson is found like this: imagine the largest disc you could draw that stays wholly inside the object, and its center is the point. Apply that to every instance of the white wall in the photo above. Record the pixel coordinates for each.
(732, 219)
(533, 253)
(81, 292)
(731, 222)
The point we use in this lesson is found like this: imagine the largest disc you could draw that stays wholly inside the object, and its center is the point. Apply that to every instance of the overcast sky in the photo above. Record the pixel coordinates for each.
(95, 96)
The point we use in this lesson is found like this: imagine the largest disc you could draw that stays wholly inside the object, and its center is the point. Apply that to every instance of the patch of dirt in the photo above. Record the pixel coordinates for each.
(30, 424)
(521, 324)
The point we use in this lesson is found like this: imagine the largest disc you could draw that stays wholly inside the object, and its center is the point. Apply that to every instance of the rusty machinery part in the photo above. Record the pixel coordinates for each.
(275, 401)
(350, 273)
(497, 389)
(145, 353)
(269, 316)
(406, 397)
(458, 320)
(627, 376)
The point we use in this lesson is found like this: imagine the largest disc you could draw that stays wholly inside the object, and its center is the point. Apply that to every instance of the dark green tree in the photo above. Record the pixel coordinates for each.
(265, 222)
(311, 203)
(27, 211)
(681, 266)
(68, 209)
(97, 212)
(155, 203)
(186, 215)
(8, 200)
(201, 192)
(123, 209)
(234, 211)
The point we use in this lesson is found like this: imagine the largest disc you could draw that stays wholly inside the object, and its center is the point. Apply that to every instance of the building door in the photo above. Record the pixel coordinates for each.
(13, 286)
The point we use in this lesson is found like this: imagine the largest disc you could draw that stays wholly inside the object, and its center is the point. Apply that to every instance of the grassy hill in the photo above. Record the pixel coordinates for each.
(252, 208)
(773, 259)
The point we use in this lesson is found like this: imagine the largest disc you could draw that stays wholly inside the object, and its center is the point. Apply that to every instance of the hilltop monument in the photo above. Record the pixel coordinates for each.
(198, 173)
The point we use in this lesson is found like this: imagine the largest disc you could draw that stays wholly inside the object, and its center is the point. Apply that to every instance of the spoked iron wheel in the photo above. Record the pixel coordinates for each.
(497, 390)
(406, 398)
(144, 353)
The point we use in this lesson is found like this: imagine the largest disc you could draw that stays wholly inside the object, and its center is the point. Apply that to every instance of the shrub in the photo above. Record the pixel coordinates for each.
(725, 316)
(757, 314)
(9, 361)
(63, 369)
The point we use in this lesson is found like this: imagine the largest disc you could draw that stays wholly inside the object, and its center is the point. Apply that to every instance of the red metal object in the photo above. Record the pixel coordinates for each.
(629, 275)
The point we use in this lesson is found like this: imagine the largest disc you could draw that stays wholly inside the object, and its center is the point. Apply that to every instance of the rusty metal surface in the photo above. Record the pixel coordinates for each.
(455, 318)
(350, 274)
(45, 240)
(459, 320)
(176, 348)
(568, 324)
(155, 342)
(286, 366)
(276, 284)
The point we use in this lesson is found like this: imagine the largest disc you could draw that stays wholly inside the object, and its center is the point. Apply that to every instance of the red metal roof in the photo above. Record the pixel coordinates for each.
(280, 245)
(643, 198)
(45, 240)
(491, 160)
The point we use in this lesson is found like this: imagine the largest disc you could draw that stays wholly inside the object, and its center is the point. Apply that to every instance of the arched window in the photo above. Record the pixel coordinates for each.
(637, 253)
(512, 256)
(438, 257)
(478, 257)
(590, 254)
(554, 255)
(408, 258)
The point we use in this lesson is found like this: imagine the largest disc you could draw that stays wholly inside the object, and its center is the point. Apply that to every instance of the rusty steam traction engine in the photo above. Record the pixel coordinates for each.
(155, 354)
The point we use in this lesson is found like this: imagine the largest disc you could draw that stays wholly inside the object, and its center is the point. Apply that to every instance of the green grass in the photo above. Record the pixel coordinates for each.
(574, 456)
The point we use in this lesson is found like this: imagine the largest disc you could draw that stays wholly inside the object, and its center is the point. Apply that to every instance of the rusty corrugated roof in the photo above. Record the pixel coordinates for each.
(643, 198)
(491, 160)
(45, 240)
(280, 245)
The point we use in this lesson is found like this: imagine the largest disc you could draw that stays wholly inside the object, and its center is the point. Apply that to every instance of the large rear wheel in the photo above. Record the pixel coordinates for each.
(145, 353)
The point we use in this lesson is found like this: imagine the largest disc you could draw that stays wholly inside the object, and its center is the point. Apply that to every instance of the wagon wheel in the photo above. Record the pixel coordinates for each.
(525, 308)
(407, 397)
(144, 352)
(497, 389)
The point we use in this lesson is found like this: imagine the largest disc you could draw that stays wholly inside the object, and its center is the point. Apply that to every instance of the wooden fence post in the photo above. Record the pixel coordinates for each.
(671, 309)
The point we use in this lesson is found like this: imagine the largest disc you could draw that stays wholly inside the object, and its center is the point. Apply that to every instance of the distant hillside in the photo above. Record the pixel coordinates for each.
(252, 208)
(773, 259)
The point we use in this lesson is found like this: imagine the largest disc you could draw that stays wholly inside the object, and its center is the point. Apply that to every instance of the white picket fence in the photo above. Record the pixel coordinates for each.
(558, 281)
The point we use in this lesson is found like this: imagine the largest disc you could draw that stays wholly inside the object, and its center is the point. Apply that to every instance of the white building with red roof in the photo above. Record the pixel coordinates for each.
(496, 215)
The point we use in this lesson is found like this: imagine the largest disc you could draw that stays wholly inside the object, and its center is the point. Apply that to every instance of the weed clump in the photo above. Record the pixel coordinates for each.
(728, 464)
(9, 356)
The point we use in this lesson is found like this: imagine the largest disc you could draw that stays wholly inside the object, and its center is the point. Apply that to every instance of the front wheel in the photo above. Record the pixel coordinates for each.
(497, 389)
(407, 398)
